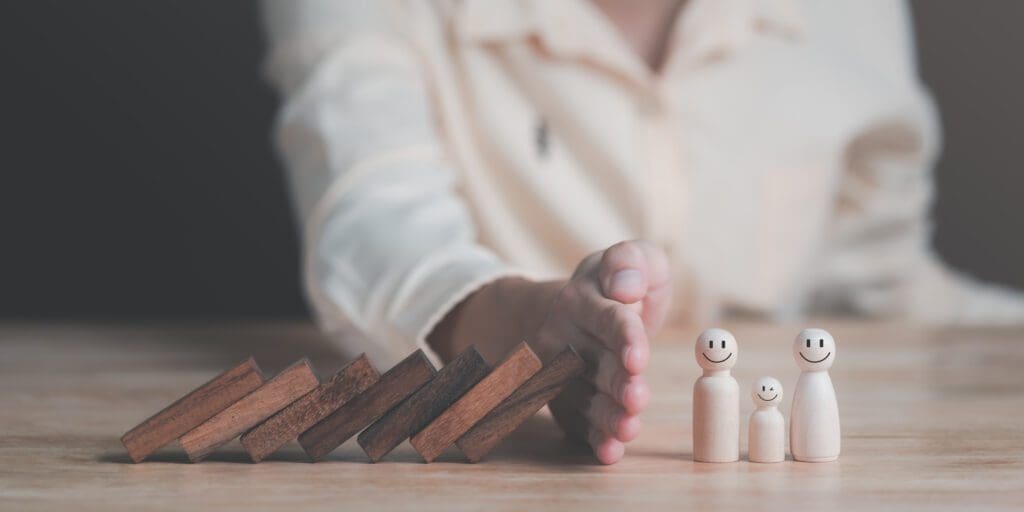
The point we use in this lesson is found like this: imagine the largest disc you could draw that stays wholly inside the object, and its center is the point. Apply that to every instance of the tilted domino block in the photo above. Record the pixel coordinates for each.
(283, 389)
(521, 405)
(421, 408)
(516, 369)
(461, 404)
(191, 410)
(346, 384)
(394, 386)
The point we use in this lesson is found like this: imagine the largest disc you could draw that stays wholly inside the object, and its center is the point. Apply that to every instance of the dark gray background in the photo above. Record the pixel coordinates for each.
(138, 179)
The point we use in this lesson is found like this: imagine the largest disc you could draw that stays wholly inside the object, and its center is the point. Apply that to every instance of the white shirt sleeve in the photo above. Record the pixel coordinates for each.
(878, 255)
(389, 246)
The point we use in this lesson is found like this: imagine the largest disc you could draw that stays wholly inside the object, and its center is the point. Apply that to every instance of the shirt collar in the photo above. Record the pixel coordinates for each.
(709, 29)
(704, 30)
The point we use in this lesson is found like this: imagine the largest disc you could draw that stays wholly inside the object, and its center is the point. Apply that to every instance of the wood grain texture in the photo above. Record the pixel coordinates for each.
(522, 404)
(286, 387)
(518, 366)
(288, 423)
(395, 385)
(930, 422)
(191, 410)
(422, 407)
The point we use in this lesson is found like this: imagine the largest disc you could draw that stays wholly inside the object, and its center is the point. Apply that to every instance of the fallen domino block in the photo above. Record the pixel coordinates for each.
(521, 405)
(289, 385)
(287, 424)
(191, 410)
(394, 386)
(513, 371)
(422, 407)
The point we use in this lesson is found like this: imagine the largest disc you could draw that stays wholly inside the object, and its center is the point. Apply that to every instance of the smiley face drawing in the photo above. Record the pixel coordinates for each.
(814, 350)
(716, 399)
(767, 391)
(716, 349)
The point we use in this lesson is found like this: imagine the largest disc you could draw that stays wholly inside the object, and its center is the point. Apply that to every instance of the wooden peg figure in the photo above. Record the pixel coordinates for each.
(814, 417)
(716, 399)
(766, 433)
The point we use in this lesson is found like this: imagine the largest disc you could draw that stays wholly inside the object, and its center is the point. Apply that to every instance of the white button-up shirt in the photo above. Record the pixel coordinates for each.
(782, 157)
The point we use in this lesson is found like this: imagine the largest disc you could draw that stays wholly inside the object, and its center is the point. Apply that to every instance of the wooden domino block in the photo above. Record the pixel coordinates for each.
(394, 386)
(287, 424)
(511, 373)
(191, 410)
(423, 406)
(521, 405)
(295, 381)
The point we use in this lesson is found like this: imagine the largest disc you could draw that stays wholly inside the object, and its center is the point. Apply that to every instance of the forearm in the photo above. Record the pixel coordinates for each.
(495, 318)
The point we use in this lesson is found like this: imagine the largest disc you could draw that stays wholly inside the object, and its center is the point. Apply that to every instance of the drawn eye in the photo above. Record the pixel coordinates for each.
(762, 388)
(808, 343)
(821, 342)
(771, 389)
(723, 343)
(711, 344)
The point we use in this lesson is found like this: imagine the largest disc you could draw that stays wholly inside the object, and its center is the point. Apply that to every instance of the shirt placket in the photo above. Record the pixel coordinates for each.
(665, 189)
(667, 196)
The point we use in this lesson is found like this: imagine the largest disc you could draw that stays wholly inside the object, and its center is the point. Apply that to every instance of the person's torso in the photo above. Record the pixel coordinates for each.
(730, 158)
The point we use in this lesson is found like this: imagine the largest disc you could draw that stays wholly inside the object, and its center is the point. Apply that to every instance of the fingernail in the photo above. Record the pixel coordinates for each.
(627, 279)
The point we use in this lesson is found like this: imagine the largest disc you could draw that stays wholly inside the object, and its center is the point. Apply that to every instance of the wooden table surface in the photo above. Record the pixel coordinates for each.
(932, 418)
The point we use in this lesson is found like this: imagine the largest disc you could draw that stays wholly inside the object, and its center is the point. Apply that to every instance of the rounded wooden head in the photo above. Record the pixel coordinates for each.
(814, 350)
(716, 349)
(766, 391)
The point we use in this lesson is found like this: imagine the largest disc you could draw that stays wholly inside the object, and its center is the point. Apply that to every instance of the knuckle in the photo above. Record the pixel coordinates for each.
(570, 292)
(623, 253)
(587, 264)
(621, 317)
(610, 381)
(609, 318)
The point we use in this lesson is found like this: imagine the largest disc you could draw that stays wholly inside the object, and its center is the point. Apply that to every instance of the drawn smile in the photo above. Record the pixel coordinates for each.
(719, 361)
(818, 361)
(767, 399)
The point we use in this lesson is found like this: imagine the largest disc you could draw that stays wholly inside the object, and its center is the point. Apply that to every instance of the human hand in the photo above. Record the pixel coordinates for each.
(616, 300)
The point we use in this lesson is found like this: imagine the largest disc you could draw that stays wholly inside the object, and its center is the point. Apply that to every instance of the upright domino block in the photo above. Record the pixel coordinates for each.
(394, 386)
(347, 383)
(191, 410)
(511, 373)
(283, 389)
(426, 404)
(521, 405)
